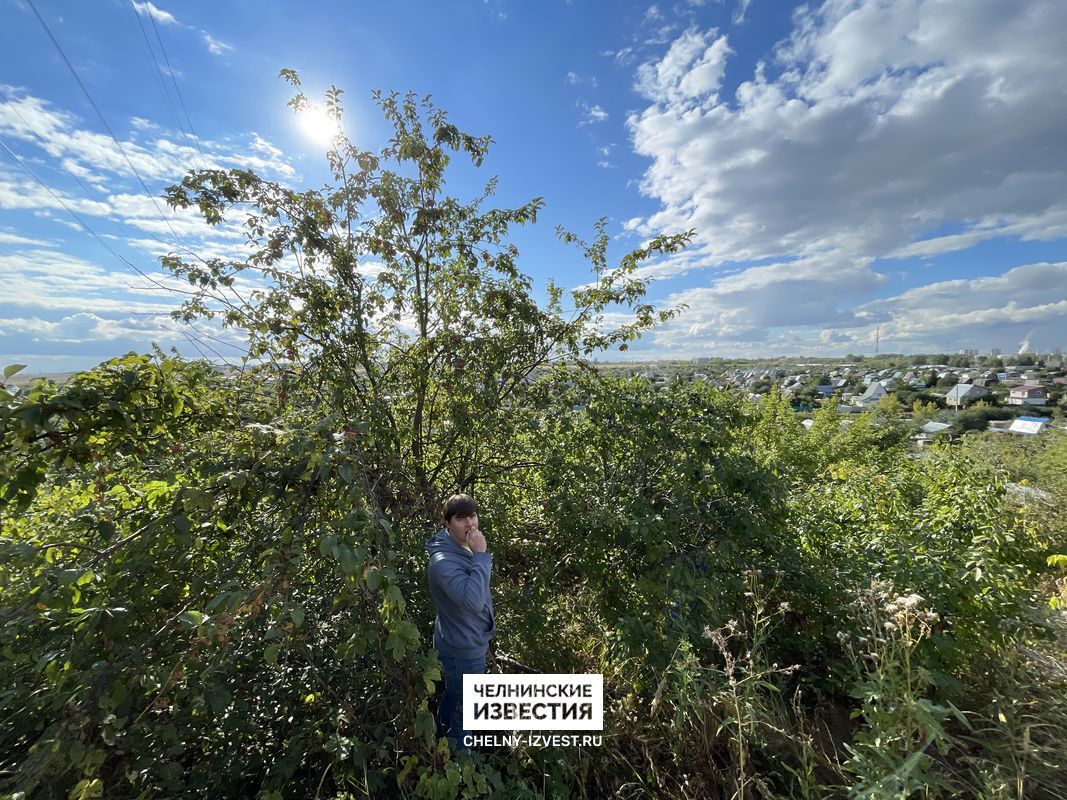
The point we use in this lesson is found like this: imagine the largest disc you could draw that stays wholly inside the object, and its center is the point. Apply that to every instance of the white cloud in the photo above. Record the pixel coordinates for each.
(6, 237)
(794, 309)
(692, 69)
(591, 114)
(25, 194)
(216, 46)
(864, 140)
(140, 123)
(574, 79)
(741, 11)
(158, 14)
(89, 154)
(1027, 302)
(888, 129)
(53, 280)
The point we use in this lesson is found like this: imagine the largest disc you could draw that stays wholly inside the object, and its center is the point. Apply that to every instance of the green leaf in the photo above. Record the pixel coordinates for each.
(87, 789)
(218, 698)
(270, 653)
(298, 616)
(12, 369)
(374, 579)
(193, 618)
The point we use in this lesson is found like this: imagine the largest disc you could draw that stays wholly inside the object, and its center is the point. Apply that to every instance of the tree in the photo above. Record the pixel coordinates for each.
(890, 406)
(256, 545)
(921, 409)
(434, 349)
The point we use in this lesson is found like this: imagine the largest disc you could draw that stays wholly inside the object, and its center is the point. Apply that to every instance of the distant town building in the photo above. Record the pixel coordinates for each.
(963, 394)
(875, 392)
(1027, 396)
(1028, 426)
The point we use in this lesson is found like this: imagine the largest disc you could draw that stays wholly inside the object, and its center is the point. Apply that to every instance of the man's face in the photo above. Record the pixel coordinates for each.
(459, 526)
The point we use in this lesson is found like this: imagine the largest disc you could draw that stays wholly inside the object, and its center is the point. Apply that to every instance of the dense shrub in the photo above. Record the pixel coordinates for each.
(215, 584)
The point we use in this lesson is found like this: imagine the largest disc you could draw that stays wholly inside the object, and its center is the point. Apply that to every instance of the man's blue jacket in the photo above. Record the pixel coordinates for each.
(459, 583)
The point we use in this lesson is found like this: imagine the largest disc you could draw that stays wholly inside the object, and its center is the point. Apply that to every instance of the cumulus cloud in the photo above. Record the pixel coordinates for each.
(7, 237)
(57, 304)
(691, 70)
(886, 121)
(809, 307)
(889, 129)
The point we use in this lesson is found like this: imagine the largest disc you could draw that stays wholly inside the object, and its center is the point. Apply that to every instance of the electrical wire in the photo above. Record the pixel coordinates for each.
(78, 217)
(129, 264)
(132, 8)
(100, 114)
(96, 193)
(177, 91)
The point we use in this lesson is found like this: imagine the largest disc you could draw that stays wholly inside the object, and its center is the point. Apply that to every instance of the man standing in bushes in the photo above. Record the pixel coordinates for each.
(459, 572)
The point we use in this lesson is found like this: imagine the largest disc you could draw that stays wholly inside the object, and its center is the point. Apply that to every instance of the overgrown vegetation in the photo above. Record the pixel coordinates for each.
(215, 584)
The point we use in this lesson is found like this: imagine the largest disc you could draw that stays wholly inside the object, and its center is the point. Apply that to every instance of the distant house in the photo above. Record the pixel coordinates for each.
(963, 394)
(1060, 381)
(985, 383)
(1026, 395)
(875, 392)
(826, 389)
(1028, 426)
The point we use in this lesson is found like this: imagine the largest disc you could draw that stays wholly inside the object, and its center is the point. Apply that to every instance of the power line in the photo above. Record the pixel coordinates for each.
(77, 216)
(100, 114)
(97, 194)
(177, 91)
(132, 8)
(129, 264)
(94, 191)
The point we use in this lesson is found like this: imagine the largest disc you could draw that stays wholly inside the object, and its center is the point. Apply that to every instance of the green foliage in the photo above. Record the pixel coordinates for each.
(214, 584)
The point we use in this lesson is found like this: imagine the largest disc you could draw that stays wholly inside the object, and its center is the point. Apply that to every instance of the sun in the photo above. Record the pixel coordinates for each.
(319, 126)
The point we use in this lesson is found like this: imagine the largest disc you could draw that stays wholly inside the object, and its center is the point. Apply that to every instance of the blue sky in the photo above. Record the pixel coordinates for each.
(852, 168)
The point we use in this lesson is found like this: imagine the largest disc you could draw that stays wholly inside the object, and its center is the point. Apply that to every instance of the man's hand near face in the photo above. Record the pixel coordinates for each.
(476, 541)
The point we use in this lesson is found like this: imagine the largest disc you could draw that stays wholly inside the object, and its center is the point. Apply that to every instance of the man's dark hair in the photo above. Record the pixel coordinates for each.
(459, 505)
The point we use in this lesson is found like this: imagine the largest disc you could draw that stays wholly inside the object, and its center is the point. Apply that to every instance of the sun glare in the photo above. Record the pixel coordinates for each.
(319, 126)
